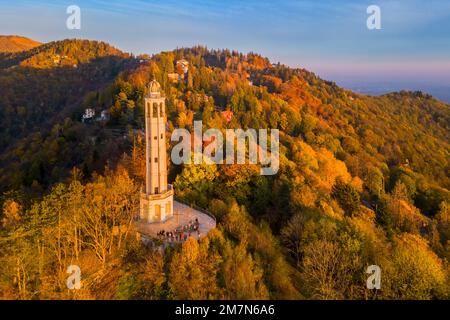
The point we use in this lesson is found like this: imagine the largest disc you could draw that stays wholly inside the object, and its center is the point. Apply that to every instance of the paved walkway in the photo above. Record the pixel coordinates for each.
(182, 216)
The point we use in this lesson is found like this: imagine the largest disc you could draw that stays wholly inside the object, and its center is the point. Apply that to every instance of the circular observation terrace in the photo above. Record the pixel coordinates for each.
(187, 221)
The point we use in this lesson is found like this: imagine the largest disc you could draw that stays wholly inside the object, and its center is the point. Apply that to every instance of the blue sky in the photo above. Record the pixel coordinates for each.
(329, 37)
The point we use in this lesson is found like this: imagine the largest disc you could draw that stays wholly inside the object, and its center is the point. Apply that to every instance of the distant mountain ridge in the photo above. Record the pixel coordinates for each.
(16, 44)
(65, 53)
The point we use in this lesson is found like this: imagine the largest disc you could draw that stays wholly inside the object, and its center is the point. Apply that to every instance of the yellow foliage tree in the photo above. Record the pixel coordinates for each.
(11, 213)
(418, 272)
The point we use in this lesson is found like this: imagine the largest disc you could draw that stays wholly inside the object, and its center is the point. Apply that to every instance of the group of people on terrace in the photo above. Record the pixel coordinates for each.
(181, 233)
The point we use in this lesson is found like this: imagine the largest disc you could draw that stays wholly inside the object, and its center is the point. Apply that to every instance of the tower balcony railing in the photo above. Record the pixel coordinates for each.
(160, 195)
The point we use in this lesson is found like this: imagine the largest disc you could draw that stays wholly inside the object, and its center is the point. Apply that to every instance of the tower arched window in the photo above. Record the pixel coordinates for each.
(161, 109)
(155, 110)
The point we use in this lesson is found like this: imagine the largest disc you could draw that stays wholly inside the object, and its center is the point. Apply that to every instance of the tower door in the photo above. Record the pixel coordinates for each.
(157, 212)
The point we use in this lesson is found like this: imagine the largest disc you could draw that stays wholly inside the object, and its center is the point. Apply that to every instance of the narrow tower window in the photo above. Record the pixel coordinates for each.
(155, 110)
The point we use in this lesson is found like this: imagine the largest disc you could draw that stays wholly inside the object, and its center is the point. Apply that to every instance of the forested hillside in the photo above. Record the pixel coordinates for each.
(41, 93)
(362, 180)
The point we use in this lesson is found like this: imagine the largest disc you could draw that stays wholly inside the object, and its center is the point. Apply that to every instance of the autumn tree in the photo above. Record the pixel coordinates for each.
(242, 275)
(375, 181)
(196, 183)
(153, 277)
(193, 271)
(11, 213)
(383, 217)
(418, 272)
(326, 270)
(347, 197)
(293, 235)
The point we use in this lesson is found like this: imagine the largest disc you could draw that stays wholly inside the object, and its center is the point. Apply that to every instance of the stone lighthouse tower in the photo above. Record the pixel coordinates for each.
(157, 200)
